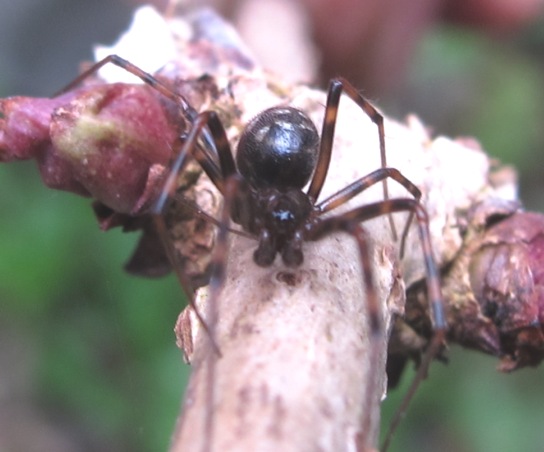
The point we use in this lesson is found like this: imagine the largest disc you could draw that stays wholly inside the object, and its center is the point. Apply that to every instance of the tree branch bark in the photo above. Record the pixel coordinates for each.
(299, 369)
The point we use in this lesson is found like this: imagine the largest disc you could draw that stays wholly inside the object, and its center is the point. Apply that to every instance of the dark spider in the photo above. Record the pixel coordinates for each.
(278, 153)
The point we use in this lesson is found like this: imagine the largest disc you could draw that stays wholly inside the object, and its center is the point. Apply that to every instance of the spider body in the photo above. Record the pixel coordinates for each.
(279, 149)
(276, 157)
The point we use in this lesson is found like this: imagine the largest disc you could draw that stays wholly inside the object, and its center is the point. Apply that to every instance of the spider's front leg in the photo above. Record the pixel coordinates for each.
(146, 77)
(207, 121)
(186, 109)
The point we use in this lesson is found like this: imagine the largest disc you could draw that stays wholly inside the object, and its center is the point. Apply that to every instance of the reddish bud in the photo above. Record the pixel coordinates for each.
(493, 290)
(507, 277)
(107, 141)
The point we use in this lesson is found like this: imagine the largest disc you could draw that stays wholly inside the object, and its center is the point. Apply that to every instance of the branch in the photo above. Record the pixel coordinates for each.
(299, 370)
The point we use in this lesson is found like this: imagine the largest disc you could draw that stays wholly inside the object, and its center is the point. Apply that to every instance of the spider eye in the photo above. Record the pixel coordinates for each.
(278, 149)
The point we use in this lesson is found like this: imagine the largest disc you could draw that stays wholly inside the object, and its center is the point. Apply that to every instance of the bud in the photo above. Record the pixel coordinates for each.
(507, 278)
(104, 141)
(114, 143)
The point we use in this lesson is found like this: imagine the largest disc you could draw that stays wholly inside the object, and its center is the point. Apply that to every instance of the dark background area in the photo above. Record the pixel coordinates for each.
(87, 354)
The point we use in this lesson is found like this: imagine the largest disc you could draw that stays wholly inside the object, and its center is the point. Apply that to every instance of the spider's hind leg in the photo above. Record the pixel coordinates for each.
(350, 222)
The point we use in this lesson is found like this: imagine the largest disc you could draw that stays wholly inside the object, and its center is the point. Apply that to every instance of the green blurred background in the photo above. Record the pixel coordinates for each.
(87, 354)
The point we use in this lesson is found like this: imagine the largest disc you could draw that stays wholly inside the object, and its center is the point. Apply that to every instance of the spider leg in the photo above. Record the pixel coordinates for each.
(376, 320)
(432, 350)
(369, 211)
(135, 70)
(374, 210)
(207, 120)
(374, 312)
(353, 189)
(185, 107)
(336, 87)
(219, 259)
(217, 174)
(191, 205)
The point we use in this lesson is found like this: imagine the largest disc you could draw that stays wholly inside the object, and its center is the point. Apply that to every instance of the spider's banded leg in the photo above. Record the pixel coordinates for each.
(183, 280)
(336, 87)
(185, 107)
(434, 348)
(134, 70)
(339, 223)
(370, 211)
(376, 321)
(207, 120)
(377, 209)
(193, 207)
(219, 260)
(353, 189)
(439, 322)
(373, 307)
(191, 148)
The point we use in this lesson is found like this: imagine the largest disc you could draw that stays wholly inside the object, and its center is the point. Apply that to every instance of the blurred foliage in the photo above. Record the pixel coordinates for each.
(96, 360)
(100, 342)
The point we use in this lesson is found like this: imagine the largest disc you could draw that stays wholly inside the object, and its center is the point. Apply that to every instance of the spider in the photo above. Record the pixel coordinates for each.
(279, 153)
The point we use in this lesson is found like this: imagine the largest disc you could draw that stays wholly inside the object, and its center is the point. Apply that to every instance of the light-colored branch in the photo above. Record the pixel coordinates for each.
(296, 356)
(299, 370)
